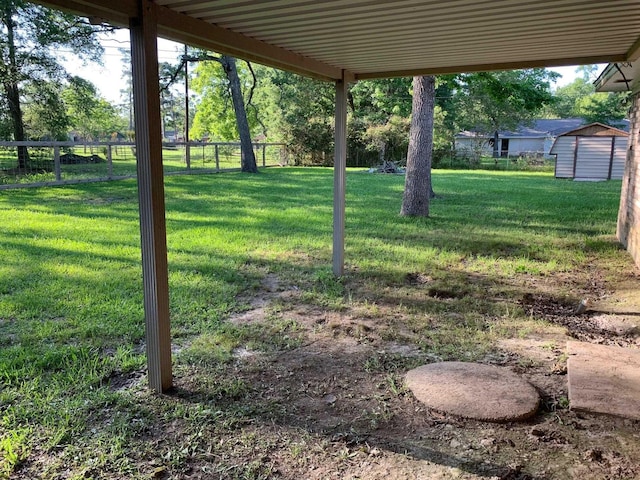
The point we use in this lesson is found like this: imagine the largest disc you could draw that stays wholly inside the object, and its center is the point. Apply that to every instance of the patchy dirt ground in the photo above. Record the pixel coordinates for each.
(329, 400)
(335, 405)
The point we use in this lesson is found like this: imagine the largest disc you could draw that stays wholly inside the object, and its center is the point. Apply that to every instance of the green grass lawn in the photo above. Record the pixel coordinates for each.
(71, 317)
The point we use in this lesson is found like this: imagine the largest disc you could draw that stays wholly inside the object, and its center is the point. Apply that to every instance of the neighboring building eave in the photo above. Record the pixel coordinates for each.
(619, 77)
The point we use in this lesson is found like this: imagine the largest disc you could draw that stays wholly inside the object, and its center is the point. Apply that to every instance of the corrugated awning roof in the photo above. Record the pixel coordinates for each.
(378, 38)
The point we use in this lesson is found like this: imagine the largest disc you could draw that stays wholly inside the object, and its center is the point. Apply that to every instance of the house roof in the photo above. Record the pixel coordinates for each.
(360, 39)
(547, 127)
(541, 128)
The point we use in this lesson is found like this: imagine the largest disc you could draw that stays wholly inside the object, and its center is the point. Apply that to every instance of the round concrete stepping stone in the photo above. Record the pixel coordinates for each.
(472, 390)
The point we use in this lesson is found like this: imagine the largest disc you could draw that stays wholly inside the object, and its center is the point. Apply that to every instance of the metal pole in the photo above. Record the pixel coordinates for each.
(339, 178)
(187, 148)
(144, 59)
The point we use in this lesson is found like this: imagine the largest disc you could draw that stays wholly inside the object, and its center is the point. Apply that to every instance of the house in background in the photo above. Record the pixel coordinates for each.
(534, 140)
(592, 152)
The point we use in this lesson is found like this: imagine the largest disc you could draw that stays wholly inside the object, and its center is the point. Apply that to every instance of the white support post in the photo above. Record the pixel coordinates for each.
(144, 59)
(339, 176)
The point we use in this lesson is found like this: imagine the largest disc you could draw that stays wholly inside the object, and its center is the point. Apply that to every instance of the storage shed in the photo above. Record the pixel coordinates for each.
(592, 152)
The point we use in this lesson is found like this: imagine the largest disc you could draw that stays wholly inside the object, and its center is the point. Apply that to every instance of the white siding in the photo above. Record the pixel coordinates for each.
(564, 148)
(523, 146)
(472, 145)
(594, 154)
(619, 158)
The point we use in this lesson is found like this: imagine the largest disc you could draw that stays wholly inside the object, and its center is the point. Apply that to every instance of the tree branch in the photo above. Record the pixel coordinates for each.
(183, 62)
(251, 105)
(173, 76)
(255, 81)
(201, 58)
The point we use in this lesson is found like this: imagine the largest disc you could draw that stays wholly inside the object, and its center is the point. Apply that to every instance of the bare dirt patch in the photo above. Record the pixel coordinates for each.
(335, 405)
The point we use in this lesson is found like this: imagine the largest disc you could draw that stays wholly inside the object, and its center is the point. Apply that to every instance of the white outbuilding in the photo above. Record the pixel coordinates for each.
(591, 153)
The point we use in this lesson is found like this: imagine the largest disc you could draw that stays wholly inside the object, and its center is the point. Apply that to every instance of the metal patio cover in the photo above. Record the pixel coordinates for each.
(383, 38)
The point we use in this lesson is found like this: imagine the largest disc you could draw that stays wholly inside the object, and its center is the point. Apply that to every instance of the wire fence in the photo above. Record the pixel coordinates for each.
(26, 164)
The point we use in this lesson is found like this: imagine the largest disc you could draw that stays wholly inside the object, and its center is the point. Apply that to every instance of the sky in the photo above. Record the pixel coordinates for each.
(108, 77)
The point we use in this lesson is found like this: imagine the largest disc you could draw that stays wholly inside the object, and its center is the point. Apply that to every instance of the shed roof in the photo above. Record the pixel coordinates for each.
(382, 38)
(596, 129)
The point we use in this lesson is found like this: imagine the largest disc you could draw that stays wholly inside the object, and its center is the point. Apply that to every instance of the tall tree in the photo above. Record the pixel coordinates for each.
(580, 99)
(212, 89)
(248, 159)
(417, 188)
(494, 101)
(169, 97)
(126, 93)
(45, 116)
(380, 110)
(89, 114)
(29, 37)
(299, 112)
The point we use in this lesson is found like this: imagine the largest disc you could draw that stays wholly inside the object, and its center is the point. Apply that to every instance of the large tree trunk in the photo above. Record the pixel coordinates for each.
(13, 99)
(12, 91)
(417, 187)
(248, 158)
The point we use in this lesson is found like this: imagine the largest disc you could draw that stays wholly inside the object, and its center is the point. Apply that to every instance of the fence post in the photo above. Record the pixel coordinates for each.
(109, 162)
(264, 154)
(56, 163)
(217, 158)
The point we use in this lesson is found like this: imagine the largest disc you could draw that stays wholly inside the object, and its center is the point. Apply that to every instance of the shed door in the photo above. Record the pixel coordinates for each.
(592, 158)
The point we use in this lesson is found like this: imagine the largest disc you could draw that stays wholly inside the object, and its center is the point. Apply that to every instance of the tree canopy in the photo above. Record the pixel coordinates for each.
(580, 99)
(31, 39)
(91, 116)
(499, 100)
(39, 100)
(215, 115)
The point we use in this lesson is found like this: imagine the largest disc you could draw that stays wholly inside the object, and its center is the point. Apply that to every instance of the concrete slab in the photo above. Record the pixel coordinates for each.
(472, 390)
(604, 379)
(618, 324)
